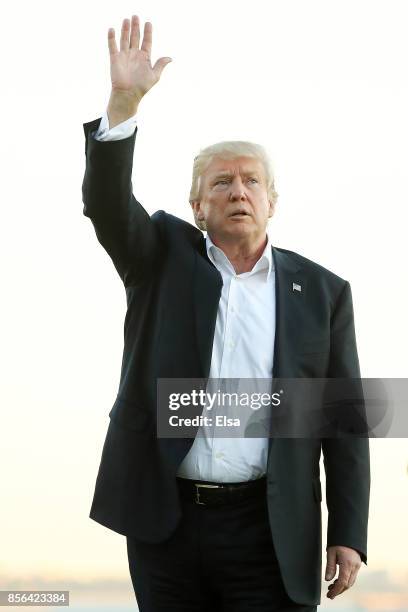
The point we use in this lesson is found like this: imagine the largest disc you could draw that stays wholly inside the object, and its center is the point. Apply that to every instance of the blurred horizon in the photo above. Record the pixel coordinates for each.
(374, 590)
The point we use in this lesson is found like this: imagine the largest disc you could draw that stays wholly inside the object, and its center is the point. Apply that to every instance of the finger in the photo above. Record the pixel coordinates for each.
(112, 41)
(147, 38)
(334, 590)
(331, 564)
(338, 590)
(330, 571)
(353, 576)
(160, 64)
(135, 33)
(124, 35)
(341, 584)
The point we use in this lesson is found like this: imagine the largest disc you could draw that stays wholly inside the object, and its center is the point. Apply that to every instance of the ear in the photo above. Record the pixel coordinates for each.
(271, 209)
(196, 206)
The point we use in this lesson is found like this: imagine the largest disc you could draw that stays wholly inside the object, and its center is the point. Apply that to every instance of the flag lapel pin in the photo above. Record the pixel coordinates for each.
(296, 287)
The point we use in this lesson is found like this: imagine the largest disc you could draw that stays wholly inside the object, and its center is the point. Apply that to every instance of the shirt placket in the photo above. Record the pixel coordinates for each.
(228, 366)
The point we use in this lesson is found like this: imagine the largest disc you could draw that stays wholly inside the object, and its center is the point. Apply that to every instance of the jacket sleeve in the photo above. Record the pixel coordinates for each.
(122, 225)
(347, 459)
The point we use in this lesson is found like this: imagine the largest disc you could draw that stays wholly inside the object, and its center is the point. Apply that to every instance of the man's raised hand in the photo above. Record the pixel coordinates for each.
(132, 73)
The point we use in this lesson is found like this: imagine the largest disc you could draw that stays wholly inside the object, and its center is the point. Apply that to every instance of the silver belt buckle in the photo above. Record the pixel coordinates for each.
(206, 486)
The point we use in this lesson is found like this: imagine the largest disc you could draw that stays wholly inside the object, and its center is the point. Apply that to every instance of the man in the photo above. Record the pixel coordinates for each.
(214, 523)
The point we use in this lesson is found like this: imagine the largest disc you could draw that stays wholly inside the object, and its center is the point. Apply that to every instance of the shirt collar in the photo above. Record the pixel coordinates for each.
(218, 258)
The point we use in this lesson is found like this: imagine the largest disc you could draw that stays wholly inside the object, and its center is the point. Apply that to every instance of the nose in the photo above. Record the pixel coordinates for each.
(237, 190)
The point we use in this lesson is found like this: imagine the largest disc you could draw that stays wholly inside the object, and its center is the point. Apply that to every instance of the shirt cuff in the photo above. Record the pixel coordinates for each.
(119, 132)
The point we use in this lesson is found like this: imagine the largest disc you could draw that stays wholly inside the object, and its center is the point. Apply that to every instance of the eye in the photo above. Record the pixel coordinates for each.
(253, 179)
(221, 181)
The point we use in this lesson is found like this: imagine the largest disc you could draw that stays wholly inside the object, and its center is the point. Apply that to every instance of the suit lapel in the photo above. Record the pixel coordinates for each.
(290, 291)
(207, 293)
(291, 288)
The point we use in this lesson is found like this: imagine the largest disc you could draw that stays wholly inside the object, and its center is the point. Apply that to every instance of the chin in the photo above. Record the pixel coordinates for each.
(241, 226)
(239, 231)
(232, 230)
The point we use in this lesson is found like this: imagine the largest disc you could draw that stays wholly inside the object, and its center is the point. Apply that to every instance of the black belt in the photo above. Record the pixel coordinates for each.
(207, 493)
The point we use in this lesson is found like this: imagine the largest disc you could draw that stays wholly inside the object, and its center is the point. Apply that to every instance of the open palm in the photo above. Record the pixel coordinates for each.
(130, 67)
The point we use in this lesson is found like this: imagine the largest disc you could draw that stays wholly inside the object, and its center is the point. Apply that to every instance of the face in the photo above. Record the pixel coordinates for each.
(234, 202)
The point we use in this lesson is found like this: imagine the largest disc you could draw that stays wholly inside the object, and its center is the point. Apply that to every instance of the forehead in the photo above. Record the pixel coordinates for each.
(242, 165)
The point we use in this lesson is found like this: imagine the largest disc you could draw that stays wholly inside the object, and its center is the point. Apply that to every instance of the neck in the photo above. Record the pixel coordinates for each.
(242, 254)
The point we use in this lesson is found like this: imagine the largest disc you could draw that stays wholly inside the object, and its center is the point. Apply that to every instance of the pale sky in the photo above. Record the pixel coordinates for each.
(323, 86)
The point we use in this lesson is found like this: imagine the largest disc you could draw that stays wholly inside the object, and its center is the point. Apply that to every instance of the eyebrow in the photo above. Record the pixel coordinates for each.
(229, 174)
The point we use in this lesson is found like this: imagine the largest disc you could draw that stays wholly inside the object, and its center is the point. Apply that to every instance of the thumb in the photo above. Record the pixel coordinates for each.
(331, 564)
(160, 64)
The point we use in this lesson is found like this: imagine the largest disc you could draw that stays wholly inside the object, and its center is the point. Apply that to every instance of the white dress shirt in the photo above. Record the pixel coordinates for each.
(122, 130)
(243, 347)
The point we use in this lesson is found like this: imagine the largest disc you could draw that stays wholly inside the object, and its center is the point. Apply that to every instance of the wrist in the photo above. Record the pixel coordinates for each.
(122, 105)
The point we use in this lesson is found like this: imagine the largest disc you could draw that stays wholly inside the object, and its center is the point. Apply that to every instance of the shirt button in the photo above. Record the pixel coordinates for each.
(219, 455)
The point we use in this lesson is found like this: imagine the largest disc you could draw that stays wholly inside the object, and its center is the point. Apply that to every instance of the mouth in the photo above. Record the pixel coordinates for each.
(240, 213)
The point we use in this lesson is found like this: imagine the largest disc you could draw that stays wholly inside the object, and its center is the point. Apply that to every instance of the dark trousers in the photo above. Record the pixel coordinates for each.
(219, 558)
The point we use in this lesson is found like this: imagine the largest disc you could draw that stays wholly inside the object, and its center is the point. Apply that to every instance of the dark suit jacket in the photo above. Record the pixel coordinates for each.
(172, 292)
